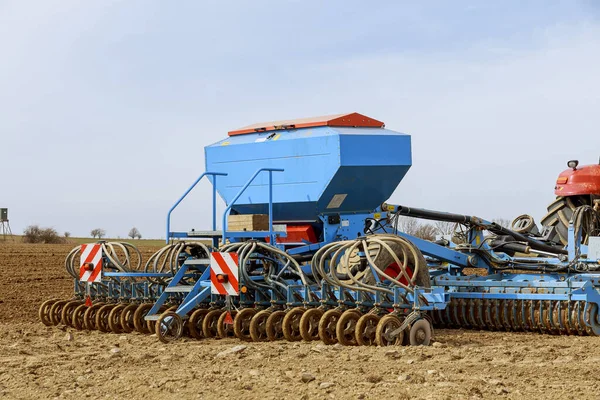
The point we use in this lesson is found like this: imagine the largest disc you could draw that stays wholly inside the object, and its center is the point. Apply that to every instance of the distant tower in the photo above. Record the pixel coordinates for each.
(4, 224)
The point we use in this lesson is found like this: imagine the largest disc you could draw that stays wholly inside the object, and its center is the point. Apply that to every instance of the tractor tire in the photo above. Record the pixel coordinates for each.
(560, 212)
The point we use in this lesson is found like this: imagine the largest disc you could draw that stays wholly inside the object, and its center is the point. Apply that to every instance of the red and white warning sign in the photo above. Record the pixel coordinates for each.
(224, 273)
(90, 269)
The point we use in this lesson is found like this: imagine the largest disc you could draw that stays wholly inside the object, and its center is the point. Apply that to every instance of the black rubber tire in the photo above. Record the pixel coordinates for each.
(560, 212)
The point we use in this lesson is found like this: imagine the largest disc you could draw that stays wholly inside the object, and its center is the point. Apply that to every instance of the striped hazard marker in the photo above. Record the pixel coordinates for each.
(90, 269)
(224, 274)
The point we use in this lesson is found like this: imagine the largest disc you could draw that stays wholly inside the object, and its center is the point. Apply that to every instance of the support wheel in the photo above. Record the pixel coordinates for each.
(309, 324)
(258, 326)
(241, 324)
(66, 316)
(77, 320)
(209, 325)
(365, 329)
(102, 317)
(346, 327)
(225, 329)
(151, 325)
(56, 311)
(386, 326)
(89, 317)
(139, 318)
(195, 323)
(274, 325)
(327, 326)
(126, 318)
(114, 318)
(420, 333)
(169, 327)
(44, 312)
(291, 324)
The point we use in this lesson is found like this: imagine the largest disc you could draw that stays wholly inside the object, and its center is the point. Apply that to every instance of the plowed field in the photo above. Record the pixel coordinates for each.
(53, 362)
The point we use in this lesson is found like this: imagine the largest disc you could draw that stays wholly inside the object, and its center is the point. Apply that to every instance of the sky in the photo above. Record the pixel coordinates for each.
(106, 106)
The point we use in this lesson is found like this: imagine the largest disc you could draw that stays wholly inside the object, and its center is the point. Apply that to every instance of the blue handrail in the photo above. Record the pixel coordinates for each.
(226, 212)
(214, 175)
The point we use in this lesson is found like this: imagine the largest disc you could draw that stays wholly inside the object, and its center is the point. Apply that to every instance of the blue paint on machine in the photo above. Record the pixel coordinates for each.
(326, 170)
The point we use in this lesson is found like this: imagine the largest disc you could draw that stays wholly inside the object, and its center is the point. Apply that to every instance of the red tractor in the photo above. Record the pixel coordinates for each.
(575, 187)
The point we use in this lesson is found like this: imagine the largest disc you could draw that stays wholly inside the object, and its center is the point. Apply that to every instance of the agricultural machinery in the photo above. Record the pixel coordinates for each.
(309, 249)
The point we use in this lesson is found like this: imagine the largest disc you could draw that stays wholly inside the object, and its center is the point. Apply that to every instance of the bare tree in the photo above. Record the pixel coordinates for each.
(425, 231)
(134, 233)
(99, 233)
(412, 226)
(503, 222)
(444, 227)
(67, 234)
(408, 225)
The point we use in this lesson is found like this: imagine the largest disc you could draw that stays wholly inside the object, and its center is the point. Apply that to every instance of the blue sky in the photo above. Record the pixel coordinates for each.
(105, 106)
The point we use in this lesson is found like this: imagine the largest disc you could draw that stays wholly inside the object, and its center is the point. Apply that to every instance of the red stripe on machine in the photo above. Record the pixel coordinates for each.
(215, 282)
(224, 264)
(96, 272)
(91, 254)
(227, 267)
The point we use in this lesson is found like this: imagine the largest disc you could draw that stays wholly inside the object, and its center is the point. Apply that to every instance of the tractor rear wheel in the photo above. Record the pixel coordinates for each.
(560, 212)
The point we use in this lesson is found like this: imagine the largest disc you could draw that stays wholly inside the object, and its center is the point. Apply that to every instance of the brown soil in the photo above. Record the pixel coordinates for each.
(53, 362)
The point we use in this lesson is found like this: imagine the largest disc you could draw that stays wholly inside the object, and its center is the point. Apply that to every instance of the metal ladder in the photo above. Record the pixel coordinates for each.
(196, 293)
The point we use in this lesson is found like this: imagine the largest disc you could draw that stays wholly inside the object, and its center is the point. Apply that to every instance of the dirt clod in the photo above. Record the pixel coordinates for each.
(234, 350)
(40, 362)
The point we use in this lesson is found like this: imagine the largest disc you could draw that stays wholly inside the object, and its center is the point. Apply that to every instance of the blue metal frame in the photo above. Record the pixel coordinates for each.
(250, 234)
(214, 201)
